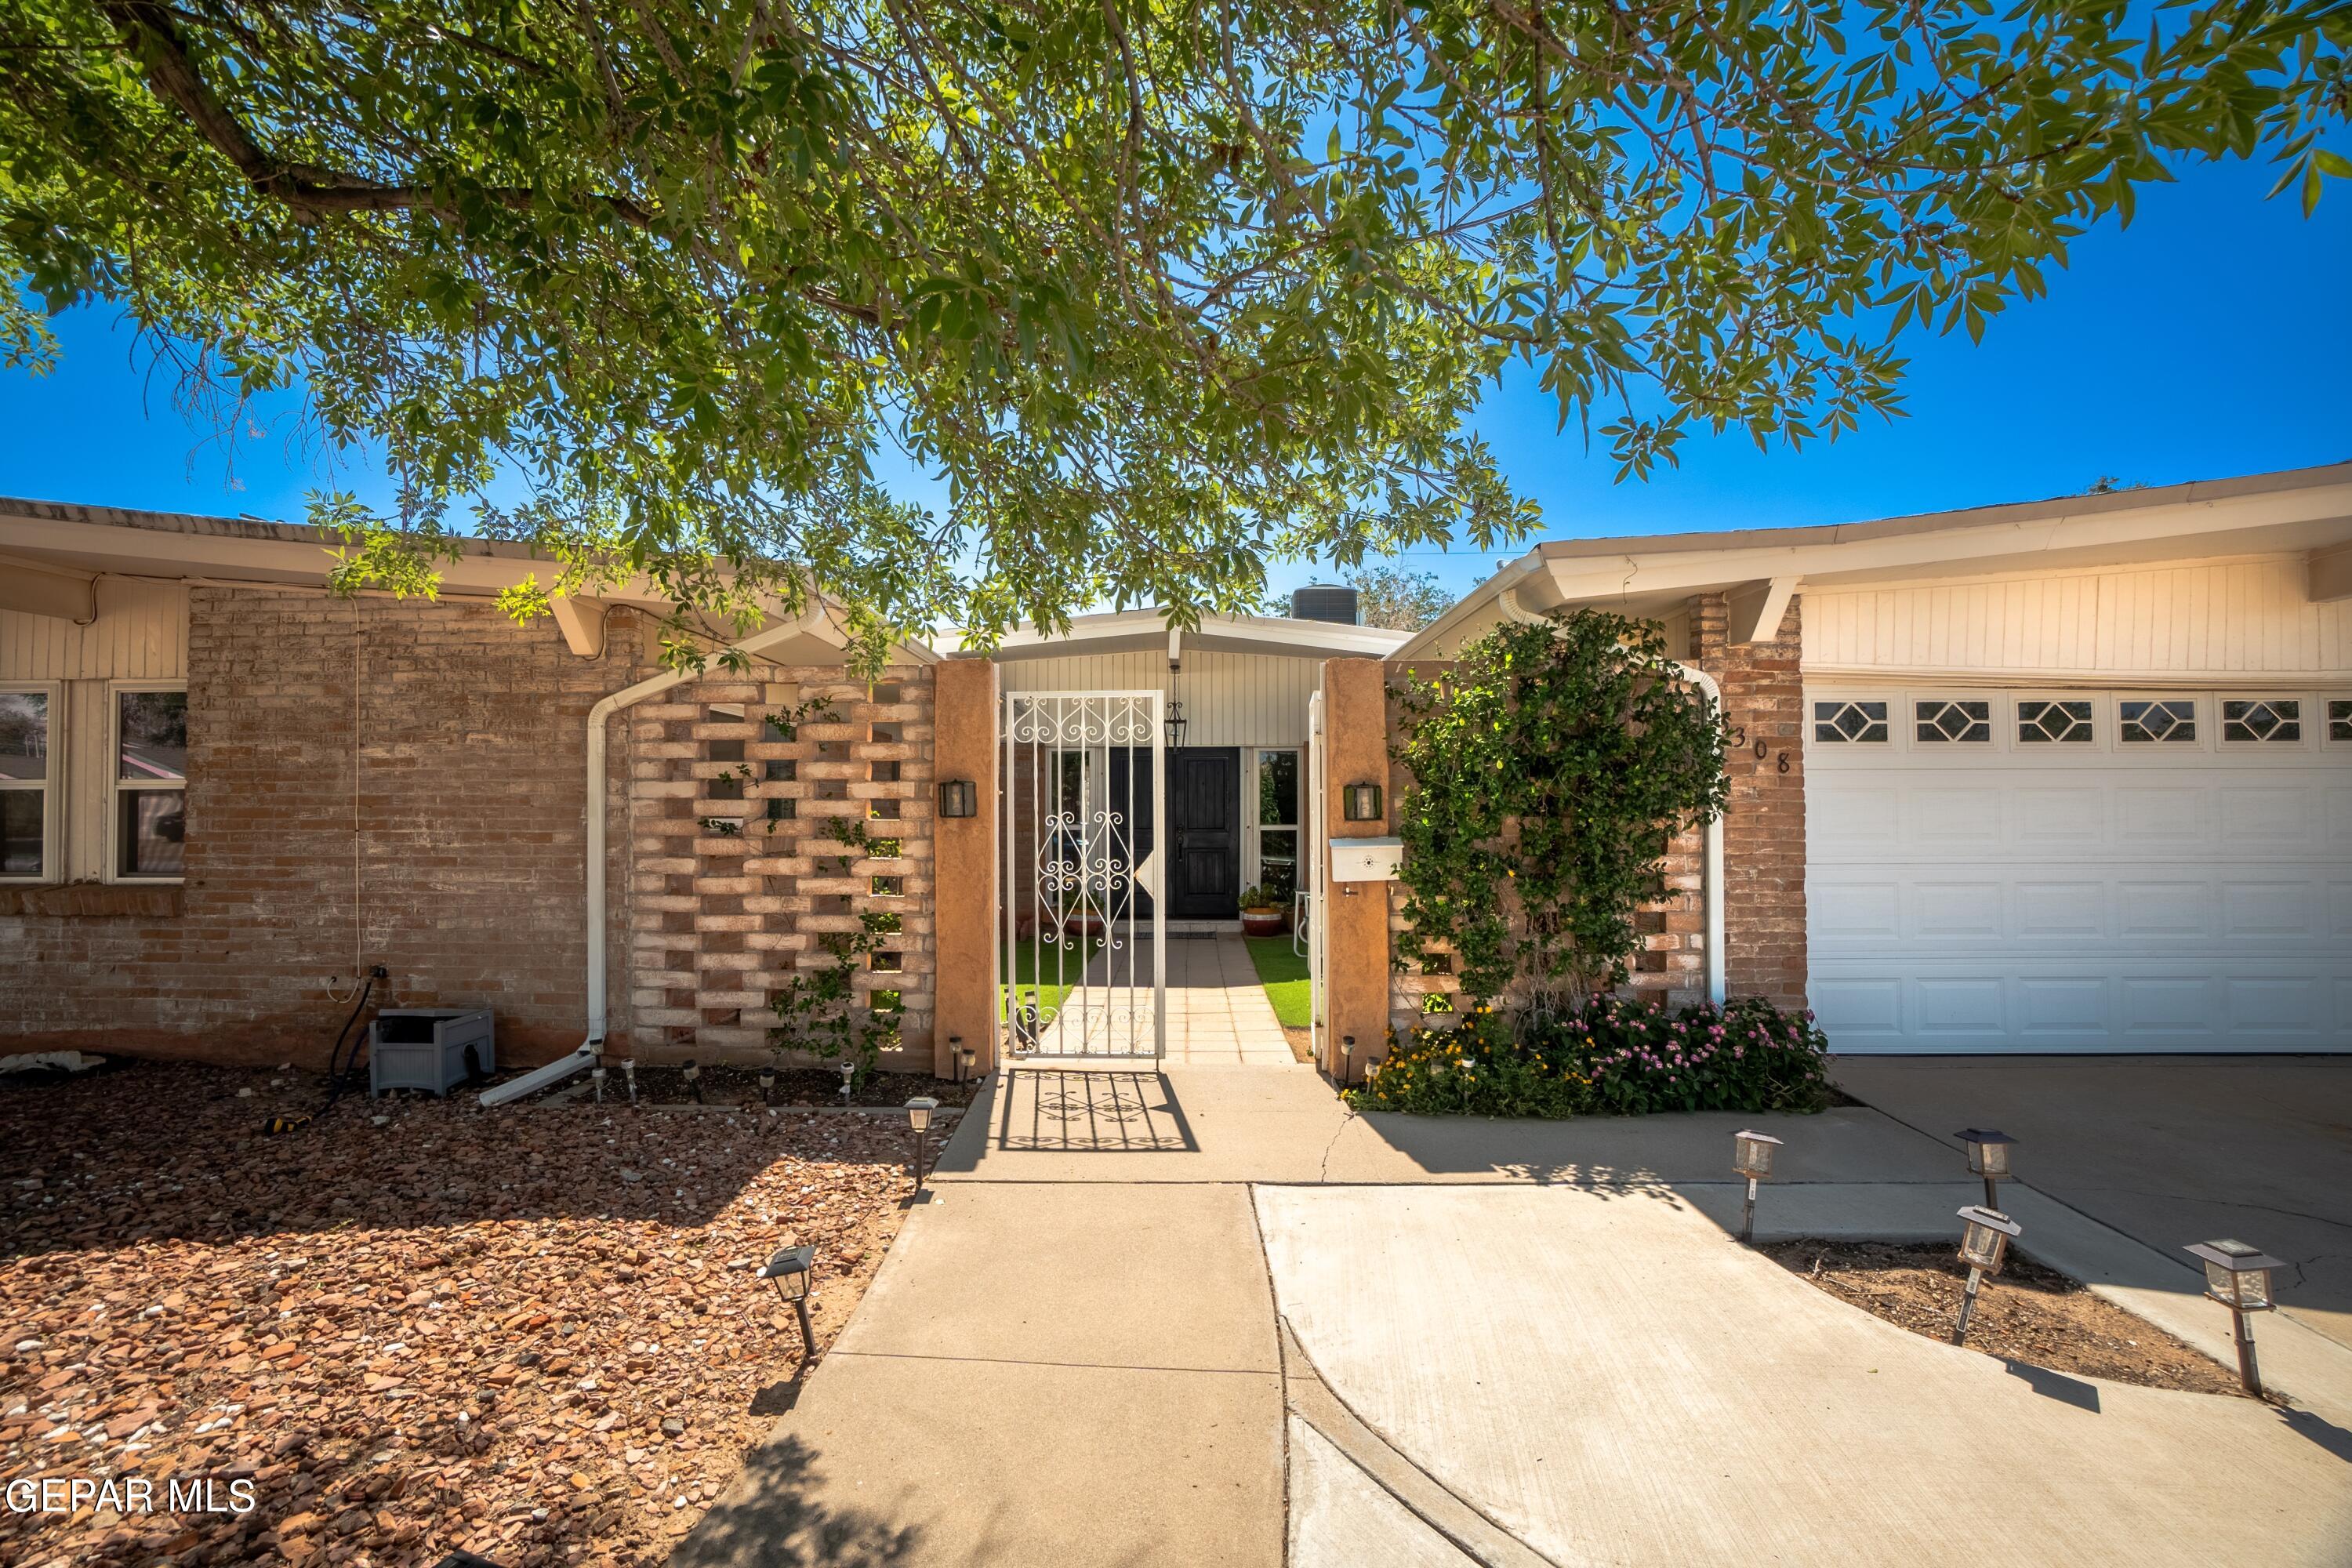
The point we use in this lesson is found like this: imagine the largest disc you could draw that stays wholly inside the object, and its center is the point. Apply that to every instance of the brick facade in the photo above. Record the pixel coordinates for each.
(457, 741)
(719, 920)
(1764, 831)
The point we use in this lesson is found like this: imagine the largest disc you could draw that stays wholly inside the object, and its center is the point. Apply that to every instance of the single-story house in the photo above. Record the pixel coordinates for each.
(2065, 775)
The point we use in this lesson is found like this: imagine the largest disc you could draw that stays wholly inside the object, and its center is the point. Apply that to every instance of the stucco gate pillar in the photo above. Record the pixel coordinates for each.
(965, 851)
(1355, 914)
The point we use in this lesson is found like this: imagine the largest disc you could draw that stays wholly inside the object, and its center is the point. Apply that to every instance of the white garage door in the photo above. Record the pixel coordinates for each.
(2077, 870)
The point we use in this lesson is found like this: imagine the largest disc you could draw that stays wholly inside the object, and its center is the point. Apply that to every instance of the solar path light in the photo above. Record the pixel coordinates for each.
(918, 1118)
(1751, 1156)
(629, 1071)
(848, 1071)
(1989, 1158)
(694, 1081)
(2239, 1277)
(789, 1272)
(1984, 1246)
(767, 1083)
(596, 1078)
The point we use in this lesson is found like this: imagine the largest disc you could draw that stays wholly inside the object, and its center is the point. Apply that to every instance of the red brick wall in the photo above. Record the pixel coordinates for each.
(1764, 832)
(467, 750)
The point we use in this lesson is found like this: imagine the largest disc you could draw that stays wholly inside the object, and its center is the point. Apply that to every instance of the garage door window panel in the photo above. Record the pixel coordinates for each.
(1961, 721)
(2268, 720)
(2063, 721)
(1860, 722)
(2171, 720)
(2339, 720)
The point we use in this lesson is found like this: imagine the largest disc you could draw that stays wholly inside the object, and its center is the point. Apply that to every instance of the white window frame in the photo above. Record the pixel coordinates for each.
(1253, 864)
(51, 788)
(115, 785)
(2327, 732)
(1898, 714)
(2103, 722)
(2305, 709)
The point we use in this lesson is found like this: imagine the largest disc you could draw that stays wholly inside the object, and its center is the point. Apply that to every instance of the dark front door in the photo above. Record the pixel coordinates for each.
(1205, 822)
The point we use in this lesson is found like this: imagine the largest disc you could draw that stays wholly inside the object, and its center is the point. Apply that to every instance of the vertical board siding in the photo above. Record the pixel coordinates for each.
(1230, 698)
(2243, 617)
(141, 634)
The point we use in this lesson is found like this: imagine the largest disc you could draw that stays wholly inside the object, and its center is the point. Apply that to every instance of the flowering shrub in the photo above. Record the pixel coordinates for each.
(1615, 1058)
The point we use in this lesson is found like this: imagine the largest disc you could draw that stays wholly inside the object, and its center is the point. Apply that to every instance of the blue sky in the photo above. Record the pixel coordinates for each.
(2211, 338)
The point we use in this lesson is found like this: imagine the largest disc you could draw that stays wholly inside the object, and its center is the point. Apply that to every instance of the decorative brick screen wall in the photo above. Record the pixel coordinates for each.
(719, 920)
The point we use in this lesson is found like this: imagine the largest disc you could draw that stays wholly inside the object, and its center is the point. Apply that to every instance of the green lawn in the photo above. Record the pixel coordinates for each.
(1284, 974)
(1044, 973)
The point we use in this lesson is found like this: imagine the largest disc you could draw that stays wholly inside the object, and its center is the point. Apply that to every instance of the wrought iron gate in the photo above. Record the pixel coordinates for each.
(1084, 957)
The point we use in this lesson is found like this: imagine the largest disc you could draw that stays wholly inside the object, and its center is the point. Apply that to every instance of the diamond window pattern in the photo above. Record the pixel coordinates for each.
(2339, 721)
(2278, 720)
(1864, 721)
(1944, 720)
(2171, 719)
(2063, 721)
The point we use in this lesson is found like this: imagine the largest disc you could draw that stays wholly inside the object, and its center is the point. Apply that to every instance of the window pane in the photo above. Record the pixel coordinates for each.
(1278, 788)
(24, 734)
(151, 833)
(155, 735)
(1277, 862)
(20, 832)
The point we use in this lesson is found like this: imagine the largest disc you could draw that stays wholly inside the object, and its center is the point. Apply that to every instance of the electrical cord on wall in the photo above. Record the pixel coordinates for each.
(342, 1074)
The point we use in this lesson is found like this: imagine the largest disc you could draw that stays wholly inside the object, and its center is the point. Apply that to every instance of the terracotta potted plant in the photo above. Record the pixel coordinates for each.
(1261, 912)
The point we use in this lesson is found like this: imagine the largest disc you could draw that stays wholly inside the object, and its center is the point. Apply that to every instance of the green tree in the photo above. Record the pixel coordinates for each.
(1399, 600)
(1160, 291)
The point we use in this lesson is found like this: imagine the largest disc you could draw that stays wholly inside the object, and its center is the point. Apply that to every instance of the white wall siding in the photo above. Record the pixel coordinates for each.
(1230, 698)
(141, 634)
(2211, 619)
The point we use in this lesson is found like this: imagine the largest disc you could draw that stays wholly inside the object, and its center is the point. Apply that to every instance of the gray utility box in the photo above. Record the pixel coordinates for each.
(424, 1047)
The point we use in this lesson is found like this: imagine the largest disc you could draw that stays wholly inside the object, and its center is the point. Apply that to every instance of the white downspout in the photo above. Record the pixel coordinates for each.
(1711, 860)
(589, 1048)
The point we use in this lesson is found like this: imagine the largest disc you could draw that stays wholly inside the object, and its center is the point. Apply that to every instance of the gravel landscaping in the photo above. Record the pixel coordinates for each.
(535, 1335)
(2026, 1313)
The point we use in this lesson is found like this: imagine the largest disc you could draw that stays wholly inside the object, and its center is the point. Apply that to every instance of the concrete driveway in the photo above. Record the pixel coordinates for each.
(2167, 1150)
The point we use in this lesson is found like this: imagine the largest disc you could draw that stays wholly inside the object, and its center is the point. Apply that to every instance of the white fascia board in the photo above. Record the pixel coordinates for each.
(2184, 529)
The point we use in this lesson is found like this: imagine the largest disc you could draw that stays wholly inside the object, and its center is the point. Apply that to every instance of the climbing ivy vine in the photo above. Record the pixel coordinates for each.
(1551, 765)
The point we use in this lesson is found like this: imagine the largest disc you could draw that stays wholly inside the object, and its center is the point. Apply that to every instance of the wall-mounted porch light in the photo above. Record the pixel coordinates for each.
(1751, 1156)
(789, 1272)
(1989, 1158)
(1984, 1246)
(1361, 802)
(2239, 1277)
(1174, 722)
(918, 1118)
(959, 797)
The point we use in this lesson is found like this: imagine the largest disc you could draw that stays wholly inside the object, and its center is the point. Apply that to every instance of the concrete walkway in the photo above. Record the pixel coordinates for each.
(2167, 1150)
(1512, 1342)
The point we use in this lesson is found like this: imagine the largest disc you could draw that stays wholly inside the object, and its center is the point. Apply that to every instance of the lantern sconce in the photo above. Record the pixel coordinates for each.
(959, 797)
(2239, 1277)
(1751, 1156)
(918, 1118)
(789, 1272)
(1989, 1158)
(1984, 1246)
(1361, 802)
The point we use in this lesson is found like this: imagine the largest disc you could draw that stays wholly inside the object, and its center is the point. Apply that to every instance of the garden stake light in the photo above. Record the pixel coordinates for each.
(1751, 1156)
(596, 1078)
(1989, 1158)
(919, 1117)
(1984, 1245)
(767, 1084)
(848, 1071)
(789, 1271)
(955, 1054)
(694, 1082)
(2239, 1277)
(629, 1071)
